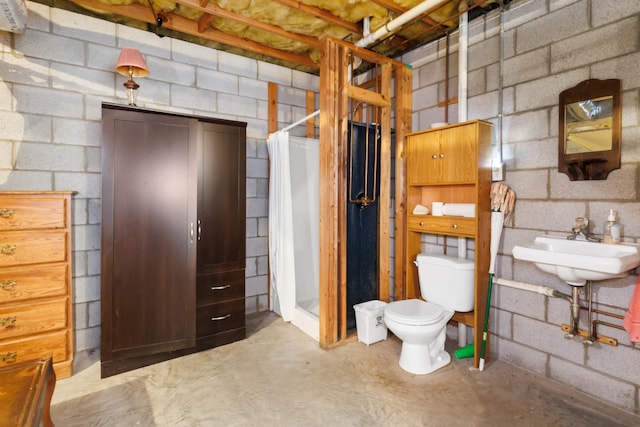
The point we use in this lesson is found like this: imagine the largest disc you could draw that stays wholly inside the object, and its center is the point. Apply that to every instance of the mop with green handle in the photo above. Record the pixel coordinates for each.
(502, 203)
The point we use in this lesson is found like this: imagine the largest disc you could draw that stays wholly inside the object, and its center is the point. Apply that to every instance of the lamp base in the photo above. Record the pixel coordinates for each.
(132, 91)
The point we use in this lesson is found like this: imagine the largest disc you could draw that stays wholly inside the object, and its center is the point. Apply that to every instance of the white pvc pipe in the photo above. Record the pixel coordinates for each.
(462, 115)
(462, 247)
(462, 334)
(540, 289)
(463, 47)
(399, 21)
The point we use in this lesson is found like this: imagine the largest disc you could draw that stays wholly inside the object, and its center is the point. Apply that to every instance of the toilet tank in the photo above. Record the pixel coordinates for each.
(446, 281)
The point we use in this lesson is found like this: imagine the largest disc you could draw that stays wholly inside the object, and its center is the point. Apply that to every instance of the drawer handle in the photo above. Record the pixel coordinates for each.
(8, 249)
(7, 212)
(9, 357)
(454, 226)
(219, 288)
(8, 322)
(421, 223)
(8, 285)
(220, 317)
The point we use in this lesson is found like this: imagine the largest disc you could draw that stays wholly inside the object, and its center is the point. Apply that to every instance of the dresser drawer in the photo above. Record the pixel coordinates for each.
(24, 212)
(55, 344)
(215, 318)
(220, 287)
(37, 281)
(27, 319)
(455, 226)
(32, 247)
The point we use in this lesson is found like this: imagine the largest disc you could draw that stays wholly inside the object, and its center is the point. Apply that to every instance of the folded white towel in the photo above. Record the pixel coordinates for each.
(467, 210)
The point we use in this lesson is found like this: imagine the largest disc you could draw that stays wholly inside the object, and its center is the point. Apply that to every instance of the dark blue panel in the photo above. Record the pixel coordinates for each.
(362, 218)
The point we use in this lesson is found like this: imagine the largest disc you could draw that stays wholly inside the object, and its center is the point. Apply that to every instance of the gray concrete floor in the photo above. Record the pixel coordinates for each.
(279, 376)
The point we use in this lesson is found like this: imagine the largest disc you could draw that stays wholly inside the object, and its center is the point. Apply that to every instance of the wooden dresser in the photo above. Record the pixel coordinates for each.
(36, 315)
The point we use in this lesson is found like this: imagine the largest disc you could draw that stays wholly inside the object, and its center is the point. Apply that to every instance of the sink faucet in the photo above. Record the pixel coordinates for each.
(581, 230)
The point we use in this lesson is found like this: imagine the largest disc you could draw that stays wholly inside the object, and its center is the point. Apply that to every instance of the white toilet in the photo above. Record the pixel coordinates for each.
(447, 284)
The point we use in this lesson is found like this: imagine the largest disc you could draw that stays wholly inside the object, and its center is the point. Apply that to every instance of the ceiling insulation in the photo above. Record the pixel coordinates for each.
(285, 32)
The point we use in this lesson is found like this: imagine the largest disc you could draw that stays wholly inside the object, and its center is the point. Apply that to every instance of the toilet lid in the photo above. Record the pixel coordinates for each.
(414, 312)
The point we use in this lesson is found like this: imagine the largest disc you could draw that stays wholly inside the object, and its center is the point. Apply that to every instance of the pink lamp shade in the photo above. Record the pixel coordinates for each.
(131, 63)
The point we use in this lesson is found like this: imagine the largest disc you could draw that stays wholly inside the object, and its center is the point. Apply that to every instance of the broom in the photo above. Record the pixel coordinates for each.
(502, 204)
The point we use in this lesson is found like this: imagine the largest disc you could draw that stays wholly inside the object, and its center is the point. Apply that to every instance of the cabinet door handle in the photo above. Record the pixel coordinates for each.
(454, 226)
(8, 285)
(199, 229)
(9, 357)
(434, 156)
(8, 322)
(8, 249)
(7, 212)
(442, 155)
(191, 232)
(220, 317)
(219, 288)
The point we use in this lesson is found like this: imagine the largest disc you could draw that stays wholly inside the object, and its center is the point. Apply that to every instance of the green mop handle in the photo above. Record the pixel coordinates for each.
(486, 324)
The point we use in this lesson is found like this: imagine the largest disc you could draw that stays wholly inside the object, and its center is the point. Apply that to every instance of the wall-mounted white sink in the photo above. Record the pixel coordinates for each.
(577, 261)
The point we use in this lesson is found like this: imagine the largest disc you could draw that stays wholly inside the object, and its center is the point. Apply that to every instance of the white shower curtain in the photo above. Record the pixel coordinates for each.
(281, 250)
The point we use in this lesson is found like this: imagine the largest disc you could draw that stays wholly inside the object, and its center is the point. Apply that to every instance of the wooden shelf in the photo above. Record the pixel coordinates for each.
(452, 164)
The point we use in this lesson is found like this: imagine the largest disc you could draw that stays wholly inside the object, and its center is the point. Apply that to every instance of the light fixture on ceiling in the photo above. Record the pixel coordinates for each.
(131, 63)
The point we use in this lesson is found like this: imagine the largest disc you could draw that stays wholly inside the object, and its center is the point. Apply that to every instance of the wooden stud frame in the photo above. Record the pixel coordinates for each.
(335, 92)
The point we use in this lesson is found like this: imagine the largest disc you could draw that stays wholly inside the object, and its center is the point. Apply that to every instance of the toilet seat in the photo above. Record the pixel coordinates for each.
(414, 312)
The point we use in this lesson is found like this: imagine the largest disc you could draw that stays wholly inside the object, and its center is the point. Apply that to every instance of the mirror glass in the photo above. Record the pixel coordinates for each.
(589, 121)
(588, 125)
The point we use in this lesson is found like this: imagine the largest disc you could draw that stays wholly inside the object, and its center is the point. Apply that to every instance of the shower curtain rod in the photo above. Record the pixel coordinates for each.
(302, 120)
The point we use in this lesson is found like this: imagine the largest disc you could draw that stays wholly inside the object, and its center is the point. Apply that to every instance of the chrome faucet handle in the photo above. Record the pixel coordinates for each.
(581, 222)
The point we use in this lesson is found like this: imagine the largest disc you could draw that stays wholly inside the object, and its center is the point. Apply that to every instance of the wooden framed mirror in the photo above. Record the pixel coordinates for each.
(589, 127)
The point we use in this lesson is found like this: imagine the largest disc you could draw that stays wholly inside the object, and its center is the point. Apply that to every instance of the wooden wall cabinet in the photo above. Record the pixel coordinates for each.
(173, 236)
(451, 164)
(36, 313)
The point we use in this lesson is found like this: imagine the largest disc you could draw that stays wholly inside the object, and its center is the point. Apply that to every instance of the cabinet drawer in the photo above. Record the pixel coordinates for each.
(28, 319)
(37, 281)
(220, 287)
(32, 247)
(455, 226)
(20, 213)
(215, 318)
(55, 344)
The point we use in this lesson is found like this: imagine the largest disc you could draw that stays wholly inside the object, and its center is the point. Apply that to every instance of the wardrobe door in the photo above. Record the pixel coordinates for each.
(221, 198)
(221, 234)
(148, 241)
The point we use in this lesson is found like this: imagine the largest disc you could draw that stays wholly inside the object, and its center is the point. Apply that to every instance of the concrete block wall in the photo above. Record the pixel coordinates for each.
(550, 46)
(53, 80)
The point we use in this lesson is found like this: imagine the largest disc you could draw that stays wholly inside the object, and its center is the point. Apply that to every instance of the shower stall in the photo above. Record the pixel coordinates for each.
(294, 224)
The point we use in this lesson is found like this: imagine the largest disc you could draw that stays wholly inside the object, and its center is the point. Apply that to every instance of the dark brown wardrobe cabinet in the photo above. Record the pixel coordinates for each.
(173, 236)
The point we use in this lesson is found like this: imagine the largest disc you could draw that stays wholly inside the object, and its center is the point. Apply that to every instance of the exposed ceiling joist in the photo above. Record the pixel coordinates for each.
(183, 25)
(285, 32)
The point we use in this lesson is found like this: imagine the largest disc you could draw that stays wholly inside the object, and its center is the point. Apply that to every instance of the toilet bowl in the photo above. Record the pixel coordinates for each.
(447, 284)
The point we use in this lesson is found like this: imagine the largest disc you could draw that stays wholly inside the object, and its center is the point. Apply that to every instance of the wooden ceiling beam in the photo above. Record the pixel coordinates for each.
(177, 23)
(323, 14)
(215, 10)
